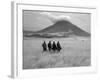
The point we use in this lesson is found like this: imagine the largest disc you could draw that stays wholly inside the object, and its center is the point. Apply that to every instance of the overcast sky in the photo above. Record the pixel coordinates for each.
(37, 20)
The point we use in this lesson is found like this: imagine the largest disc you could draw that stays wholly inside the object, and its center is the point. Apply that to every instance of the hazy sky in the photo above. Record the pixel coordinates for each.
(37, 20)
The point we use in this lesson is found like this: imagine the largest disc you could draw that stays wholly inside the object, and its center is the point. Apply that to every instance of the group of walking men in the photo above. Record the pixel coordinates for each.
(51, 46)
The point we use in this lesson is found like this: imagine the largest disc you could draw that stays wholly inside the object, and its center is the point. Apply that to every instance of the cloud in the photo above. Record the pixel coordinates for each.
(55, 18)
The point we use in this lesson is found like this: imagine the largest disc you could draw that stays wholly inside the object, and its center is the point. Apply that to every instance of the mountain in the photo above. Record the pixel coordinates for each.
(64, 26)
(61, 28)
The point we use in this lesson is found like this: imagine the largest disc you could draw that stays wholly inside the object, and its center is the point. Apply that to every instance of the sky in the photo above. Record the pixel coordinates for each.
(38, 20)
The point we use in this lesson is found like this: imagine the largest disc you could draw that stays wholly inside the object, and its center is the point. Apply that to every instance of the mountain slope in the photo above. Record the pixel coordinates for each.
(64, 26)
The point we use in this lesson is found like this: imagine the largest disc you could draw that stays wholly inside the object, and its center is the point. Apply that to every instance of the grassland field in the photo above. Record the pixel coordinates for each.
(76, 52)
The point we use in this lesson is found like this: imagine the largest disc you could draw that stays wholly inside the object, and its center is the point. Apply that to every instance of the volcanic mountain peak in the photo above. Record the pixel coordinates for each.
(64, 26)
(60, 26)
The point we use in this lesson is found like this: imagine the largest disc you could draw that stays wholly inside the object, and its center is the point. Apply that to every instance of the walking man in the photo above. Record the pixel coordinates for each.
(49, 46)
(54, 47)
(58, 46)
(44, 46)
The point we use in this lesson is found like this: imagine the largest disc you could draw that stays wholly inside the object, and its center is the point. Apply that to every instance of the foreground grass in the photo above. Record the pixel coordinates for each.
(75, 53)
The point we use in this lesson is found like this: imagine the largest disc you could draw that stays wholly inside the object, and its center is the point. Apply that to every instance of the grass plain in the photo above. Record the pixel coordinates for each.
(76, 52)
